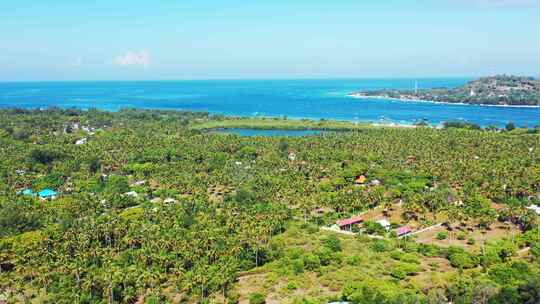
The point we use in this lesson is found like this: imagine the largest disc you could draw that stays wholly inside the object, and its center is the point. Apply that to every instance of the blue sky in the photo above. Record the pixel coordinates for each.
(203, 39)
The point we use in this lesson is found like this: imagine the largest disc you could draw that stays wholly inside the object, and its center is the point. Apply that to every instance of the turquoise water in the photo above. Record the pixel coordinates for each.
(269, 133)
(314, 99)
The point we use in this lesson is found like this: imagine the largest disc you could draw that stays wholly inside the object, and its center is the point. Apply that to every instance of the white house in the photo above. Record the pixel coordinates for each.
(170, 201)
(384, 222)
(292, 156)
(534, 208)
(132, 194)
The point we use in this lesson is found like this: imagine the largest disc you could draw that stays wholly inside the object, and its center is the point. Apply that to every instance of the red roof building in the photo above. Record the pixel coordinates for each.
(346, 224)
(401, 231)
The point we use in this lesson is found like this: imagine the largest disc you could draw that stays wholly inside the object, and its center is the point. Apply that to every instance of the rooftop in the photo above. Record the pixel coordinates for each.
(350, 221)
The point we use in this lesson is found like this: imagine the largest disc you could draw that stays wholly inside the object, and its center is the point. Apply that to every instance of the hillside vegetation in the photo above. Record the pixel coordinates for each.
(495, 90)
(152, 208)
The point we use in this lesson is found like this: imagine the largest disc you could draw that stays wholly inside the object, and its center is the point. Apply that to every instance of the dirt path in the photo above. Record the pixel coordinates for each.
(349, 233)
(423, 230)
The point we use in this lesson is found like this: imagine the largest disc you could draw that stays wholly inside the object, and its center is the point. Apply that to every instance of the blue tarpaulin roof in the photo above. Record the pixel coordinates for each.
(47, 193)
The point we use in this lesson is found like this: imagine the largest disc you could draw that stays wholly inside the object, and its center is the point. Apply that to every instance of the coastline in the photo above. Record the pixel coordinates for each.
(357, 96)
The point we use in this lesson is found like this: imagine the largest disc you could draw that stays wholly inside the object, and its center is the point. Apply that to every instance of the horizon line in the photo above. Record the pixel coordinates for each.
(258, 79)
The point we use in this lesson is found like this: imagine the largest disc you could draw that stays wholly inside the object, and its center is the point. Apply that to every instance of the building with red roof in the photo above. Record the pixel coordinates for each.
(347, 224)
(401, 231)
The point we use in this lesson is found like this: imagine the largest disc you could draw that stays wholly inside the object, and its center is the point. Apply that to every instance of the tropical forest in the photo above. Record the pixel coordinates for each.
(158, 206)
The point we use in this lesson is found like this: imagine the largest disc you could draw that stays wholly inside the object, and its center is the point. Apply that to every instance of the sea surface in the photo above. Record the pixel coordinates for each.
(314, 99)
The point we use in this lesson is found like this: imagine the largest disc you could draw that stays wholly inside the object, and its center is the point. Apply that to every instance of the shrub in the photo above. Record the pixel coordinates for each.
(443, 235)
(311, 228)
(374, 228)
(233, 298)
(312, 262)
(291, 286)
(257, 298)
(325, 256)
(298, 266)
(403, 270)
(429, 250)
(354, 260)
(535, 251)
(462, 260)
(333, 243)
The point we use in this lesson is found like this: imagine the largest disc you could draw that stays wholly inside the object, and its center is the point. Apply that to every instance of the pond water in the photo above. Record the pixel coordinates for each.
(269, 133)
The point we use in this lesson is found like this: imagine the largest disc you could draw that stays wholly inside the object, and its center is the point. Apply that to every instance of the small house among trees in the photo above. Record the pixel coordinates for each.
(402, 231)
(534, 208)
(348, 223)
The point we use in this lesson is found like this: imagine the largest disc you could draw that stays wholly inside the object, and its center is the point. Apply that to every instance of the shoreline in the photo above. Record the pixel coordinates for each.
(357, 96)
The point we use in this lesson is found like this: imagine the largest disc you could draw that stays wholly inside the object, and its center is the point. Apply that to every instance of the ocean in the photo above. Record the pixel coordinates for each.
(295, 99)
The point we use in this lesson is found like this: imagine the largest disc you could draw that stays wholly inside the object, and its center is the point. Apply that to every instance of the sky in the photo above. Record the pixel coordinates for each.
(44, 40)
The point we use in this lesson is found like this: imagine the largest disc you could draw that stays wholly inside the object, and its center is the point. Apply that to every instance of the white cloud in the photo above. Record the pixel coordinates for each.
(141, 58)
(76, 62)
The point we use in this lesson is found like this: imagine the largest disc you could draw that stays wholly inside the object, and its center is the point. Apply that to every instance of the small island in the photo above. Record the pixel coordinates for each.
(502, 90)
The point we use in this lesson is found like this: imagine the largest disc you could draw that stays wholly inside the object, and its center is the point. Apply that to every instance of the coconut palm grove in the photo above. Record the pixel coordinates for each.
(155, 206)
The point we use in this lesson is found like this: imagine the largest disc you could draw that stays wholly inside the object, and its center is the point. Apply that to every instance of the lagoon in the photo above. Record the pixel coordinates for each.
(269, 133)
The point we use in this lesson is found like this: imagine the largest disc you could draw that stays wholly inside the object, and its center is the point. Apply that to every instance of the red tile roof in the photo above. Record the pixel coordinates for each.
(350, 221)
(403, 230)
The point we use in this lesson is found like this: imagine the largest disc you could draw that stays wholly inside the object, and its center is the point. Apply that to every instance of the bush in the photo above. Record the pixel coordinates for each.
(374, 228)
(233, 298)
(381, 246)
(291, 286)
(333, 243)
(442, 235)
(257, 298)
(405, 257)
(429, 250)
(312, 262)
(461, 259)
(354, 260)
(403, 270)
(298, 266)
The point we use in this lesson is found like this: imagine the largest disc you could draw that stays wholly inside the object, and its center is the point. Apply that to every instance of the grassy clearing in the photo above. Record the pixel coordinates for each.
(279, 123)
(469, 237)
(295, 276)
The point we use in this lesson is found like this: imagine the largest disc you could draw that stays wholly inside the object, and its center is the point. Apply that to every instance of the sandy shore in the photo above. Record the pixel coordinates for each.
(358, 96)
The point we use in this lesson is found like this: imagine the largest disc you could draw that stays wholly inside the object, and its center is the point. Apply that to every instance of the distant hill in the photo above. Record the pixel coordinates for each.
(493, 90)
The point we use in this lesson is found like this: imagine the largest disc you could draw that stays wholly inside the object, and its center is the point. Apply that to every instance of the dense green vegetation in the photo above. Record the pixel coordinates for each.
(496, 90)
(154, 209)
